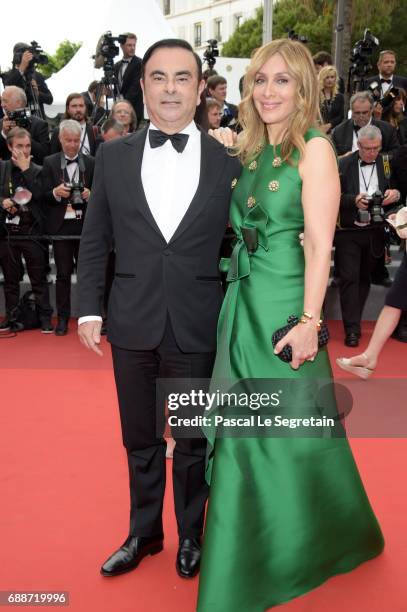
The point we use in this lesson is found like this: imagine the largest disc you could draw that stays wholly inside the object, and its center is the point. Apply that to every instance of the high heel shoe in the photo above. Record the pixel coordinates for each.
(361, 371)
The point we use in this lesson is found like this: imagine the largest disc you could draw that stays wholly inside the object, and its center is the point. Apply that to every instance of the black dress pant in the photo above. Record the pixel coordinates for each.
(66, 256)
(136, 373)
(10, 259)
(357, 252)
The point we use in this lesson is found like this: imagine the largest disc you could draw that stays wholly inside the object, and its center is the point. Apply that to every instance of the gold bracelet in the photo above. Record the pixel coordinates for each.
(307, 315)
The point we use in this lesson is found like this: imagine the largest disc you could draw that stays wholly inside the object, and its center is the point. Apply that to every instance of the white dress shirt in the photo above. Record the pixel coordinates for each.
(385, 86)
(170, 180)
(368, 182)
(85, 146)
(355, 138)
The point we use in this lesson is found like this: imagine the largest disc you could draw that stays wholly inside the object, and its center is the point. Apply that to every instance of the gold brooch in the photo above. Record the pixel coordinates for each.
(274, 185)
(259, 147)
(251, 202)
(234, 183)
(277, 161)
(253, 166)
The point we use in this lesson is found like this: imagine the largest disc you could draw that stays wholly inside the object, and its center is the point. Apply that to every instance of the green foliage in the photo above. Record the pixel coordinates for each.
(313, 19)
(65, 52)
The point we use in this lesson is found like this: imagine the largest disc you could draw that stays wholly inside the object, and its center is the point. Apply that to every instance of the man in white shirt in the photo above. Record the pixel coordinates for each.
(162, 196)
(386, 79)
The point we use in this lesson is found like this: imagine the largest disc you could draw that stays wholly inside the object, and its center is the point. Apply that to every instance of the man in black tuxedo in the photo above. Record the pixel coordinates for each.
(90, 101)
(162, 195)
(217, 89)
(75, 108)
(13, 98)
(64, 217)
(31, 81)
(344, 136)
(359, 242)
(128, 74)
(386, 79)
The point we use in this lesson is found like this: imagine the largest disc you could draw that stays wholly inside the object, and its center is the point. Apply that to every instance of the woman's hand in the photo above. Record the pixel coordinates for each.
(303, 339)
(225, 136)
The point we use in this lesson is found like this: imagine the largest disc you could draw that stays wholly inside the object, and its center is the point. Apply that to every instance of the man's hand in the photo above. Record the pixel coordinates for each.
(361, 201)
(377, 111)
(25, 60)
(62, 191)
(20, 160)
(9, 206)
(89, 334)
(8, 125)
(86, 194)
(391, 196)
(225, 136)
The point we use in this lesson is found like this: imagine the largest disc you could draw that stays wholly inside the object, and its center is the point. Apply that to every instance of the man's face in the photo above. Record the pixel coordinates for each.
(361, 112)
(110, 135)
(129, 48)
(70, 143)
(171, 89)
(77, 109)
(10, 102)
(219, 93)
(21, 143)
(214, 117)
(387, 65)
(369, 149)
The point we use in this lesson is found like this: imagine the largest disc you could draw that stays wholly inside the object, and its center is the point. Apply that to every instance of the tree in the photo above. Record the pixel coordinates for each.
(64, 53)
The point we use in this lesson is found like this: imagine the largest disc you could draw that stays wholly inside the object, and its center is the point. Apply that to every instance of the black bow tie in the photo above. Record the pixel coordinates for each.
(356, 128)
(158, 138)
(71, 161)
(385, 81)
(363, 163)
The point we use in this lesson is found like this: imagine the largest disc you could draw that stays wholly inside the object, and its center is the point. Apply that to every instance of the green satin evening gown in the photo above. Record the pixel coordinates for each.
(284, 513)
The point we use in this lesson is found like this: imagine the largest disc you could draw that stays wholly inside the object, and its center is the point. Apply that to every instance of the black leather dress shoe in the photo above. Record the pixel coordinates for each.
(62, 327)
(46, 325)
(130, 554)
(352, 339)
(188, 557)
(11, 326)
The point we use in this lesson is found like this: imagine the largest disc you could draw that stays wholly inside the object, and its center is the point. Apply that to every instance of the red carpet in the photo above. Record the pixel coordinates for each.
(64, 496)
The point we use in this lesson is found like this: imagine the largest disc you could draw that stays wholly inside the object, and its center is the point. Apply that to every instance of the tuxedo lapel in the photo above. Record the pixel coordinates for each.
(354, 186)
(349, 135)
(212, 164)
(131, 158)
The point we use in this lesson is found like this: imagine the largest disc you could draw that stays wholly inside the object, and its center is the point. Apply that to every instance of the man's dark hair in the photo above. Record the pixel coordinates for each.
(93, 86)
(171, 43)
(387, 52)
(112, 124)
(130, 35)
(321, 58)
(69, 99)
(215, 80)
(17, 132)
(18, 51)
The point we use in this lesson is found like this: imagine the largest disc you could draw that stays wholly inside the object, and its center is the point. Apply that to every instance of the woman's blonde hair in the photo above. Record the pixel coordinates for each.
(325, 72)
(301, 67)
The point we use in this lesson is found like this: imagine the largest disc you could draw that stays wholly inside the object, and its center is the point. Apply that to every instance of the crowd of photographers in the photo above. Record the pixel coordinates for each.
(46, 173)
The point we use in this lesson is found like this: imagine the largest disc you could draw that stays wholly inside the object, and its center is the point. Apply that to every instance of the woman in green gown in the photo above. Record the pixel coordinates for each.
(285, 513)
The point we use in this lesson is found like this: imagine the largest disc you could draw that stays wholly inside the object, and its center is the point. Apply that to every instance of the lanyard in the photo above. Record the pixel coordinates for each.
(370, 178)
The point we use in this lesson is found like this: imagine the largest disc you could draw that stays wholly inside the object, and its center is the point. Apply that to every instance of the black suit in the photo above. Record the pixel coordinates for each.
(342, 136)
(100, 112)
(14, 77)
(130, 88)
(65, 251)
(332, 110)
(162, 316)
(357, 249)
(55, 145)
(397, 81)
(229, 117)
(39, 141)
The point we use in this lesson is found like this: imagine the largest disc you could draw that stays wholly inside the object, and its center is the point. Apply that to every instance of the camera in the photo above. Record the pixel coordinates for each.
(362, 54)
(39, 57)
(21, 117)
(374, 215)
(389, 97)
(211, 52)
(75, 199)
(106, 51)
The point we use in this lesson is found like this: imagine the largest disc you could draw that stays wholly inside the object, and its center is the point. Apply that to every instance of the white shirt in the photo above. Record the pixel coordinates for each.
(355, 137)
(170, 180)
(368, 182)
(73, 172)
(385, 86)
(85, 147)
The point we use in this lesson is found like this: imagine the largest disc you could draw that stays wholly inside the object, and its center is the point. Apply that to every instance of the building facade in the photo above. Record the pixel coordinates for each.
(197, 21)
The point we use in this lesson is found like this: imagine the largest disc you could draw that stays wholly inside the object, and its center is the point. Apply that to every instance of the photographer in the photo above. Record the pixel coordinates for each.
(128, 74)
(359, 240)
(217, 88)
(344, 136)
(75, 108)
(14, 102)
(67, 178)
(393, 113)
(90, 101)
(24, 75)
(386, 77)
(22, 213)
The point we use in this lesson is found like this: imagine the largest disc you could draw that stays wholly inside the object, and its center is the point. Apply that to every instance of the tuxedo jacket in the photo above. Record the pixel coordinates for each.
(350, 187)
(398, 81)
(55, 146)
(155, 279)
(32, 180)
(131, 88)
(39, 141)
(100, 112)
(14, 77)
(52, 176)
(229, 116)
(342, 136)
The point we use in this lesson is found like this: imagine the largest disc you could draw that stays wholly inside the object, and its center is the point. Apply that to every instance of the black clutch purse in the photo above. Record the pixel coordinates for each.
(286, 354)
